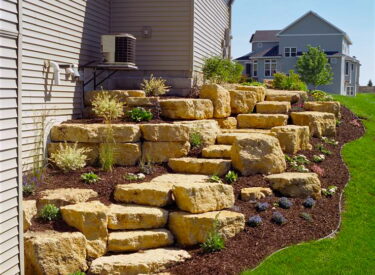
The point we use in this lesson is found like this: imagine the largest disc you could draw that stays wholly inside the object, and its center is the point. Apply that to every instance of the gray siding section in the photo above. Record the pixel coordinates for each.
(10, 245)
(261, 46)
(169, 47)
(211, 19)
(64, 32)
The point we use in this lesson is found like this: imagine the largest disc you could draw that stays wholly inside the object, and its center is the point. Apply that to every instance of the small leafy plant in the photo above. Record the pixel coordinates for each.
(107, 106)
(318, 158)
(254, 221)
(146, 167)
(215, 241)
(253, 83)
(196, 139)
(330, 191)
(155, 86)
(215, 178)
(134, 177)
(50, 212)
(231, 177)
(309, 203)
(90, 177)
(324, 150)
(302, 169)
(29, 183)
(318, 95)
(306, 216)
(78, 273)
(139, 114)
(262, 206)
(69, 157)
(28, 189)
(330, 141)
(278, 218)
(285, 203)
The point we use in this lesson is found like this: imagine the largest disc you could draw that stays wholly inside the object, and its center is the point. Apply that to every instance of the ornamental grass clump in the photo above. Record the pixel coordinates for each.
(262, 206)
(155, 86)
(69, 157)
(107, 106)
(278, 218)
(254, 221)
(309, 203)
(215, 240)
(285, 203)
(50, 212)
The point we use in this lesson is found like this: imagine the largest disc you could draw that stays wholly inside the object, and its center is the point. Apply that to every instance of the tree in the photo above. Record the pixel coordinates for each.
(369, 83)
(314, 68)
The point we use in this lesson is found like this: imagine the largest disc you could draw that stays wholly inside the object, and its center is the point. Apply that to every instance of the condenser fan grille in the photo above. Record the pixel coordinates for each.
(125, 50)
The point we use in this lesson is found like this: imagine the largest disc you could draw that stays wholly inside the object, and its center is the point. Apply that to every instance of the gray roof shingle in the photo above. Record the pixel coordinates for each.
(265, 36)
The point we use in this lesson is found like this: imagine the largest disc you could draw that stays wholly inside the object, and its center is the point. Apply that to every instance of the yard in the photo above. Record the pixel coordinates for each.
(352, 251)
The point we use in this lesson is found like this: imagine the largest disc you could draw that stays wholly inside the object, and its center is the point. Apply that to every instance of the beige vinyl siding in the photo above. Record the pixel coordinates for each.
(211, 19)
(169, 48)
(64, 32)
(9, 188)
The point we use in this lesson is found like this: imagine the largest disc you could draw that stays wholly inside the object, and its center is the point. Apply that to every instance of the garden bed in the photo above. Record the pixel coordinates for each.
(251, 246)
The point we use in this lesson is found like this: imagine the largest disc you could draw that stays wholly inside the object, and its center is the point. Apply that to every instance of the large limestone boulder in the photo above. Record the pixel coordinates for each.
(203, 197)
(200, 166)
(273, 107)
(127, 241)
(258, 90)
(242, 102)
(29, 211)
(255, 193)
(261, 121)
(220, 98)
(258, 153)
(180, 178)
(54, 253)
(228, 138)
(187, 108)
(159, 152)
(144, 262)
(142, 101)
(217, 151)
(91, 156)
(165, 132)
(91, 218)
(136, 217)
(320, 124)
(64, 196)
(332, 107)
(284, 95)
(95, 133)
(227, 123)
(190, 229)
(296, 185)
(293, 138)
(208, 129)
(121, 95)
(157, 194)
(126, 154)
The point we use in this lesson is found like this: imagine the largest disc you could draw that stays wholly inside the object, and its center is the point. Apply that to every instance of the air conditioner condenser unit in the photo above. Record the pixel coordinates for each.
(119, 49)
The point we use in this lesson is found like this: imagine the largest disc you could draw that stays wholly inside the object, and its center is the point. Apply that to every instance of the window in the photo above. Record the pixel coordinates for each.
(346, 68)
(260, 45)
(255, 68)
(288, 52)
(349, 90)
(270, 67)
(248, 69)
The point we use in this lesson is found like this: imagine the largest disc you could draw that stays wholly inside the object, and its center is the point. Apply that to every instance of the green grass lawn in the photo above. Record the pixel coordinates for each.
(352, 251)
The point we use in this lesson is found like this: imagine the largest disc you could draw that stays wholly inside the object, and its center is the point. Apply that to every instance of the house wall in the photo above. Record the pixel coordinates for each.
(64, 32)
(10, 195)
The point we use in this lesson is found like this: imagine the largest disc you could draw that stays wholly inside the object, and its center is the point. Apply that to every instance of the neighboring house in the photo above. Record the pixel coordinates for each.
(183, 33)
(278, 50)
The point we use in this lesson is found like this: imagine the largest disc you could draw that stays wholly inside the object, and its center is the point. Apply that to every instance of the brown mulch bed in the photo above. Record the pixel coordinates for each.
(250, 247)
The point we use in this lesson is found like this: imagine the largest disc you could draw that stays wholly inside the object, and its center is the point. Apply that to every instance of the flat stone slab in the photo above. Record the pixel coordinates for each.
(180, 178)
(229, 137)
(136, 217)
(320, 124)
(261, 121)
(158, 152)
(293, 138)
(203, 197)
(255, 193)
(333, 107)
(145, 262)
(95, 133)
(207, 128)
(190, 229)
(157, 194)
(227, 123)
(121, 95)
(259, 90)
(273, 107)
(217, 151)
(296, 185)
(165, 132)
(29, 211)
(284, 95)
(186, 108)
(200, 166)
(142, 101)
(129, 241)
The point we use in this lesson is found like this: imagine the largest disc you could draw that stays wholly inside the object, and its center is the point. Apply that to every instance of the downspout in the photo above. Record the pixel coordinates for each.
(230, 28)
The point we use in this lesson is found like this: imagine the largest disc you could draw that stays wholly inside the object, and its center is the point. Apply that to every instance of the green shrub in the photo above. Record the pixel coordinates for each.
(254, 83)
(50, 212)
(231, 177)
(318, 95)
(196, 140)
(214, 241)
(107, 106)
(139, 114)
(288, 82)
(222, 70)
(78, 273)
(215, 178)
(90, 177)
(155, 86)
(69, 157)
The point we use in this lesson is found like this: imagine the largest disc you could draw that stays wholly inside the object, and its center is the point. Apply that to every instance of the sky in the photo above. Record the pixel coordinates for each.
(355, 17)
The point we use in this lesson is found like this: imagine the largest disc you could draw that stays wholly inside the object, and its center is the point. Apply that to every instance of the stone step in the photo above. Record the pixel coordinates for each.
(261, 121)
(283, 95)
(320, 124)
(130, 241)
(130, 217)
(324, 106)
(203, 166)
(230, 136)
(217, 151)
(186, 108)
(121, 95)
(273, 107)
(293, 138)
(145, 262)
